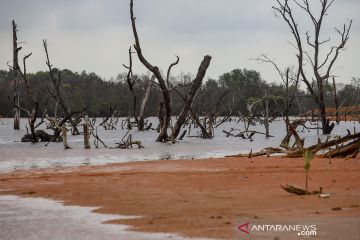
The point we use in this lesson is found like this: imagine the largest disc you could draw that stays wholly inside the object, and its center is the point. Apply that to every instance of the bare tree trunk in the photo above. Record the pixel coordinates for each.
(322, 109)
(17, 119)
(131, 82)
(325, 122)
(164, 84)
(266, 115)
(141, 118)
(285, 77)
(211, 133)
(195, 85)
(86, 134)
(163, 135)
(55, 110)
(34, 102)
(17, 111)
(15, 69)
(32, 114)
(287, 107)
(336, 102)
(64, 136)
(205, 134)
(161, 115)
(321, 68)
(58, 97)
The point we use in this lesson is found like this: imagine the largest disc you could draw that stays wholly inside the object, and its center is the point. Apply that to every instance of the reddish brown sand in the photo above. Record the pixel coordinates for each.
(197, 198)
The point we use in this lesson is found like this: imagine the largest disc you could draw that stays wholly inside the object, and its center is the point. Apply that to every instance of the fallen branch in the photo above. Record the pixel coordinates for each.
(266, 151)
(299, 191)
(350, 149)
(128, 143)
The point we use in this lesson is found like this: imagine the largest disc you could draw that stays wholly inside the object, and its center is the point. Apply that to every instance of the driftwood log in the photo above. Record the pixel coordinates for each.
(346, 146)
(299, 191)
(128, 143)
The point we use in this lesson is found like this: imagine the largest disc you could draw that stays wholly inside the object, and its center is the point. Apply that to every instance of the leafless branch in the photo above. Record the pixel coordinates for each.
(169, 70)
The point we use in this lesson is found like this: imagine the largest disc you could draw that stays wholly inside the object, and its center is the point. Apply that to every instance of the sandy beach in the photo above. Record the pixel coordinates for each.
(197, 198)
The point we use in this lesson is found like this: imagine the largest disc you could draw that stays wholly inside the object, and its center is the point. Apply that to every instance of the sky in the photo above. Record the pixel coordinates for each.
(95, 35)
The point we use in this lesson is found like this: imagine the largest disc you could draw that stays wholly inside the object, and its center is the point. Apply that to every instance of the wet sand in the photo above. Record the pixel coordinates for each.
(198, 198)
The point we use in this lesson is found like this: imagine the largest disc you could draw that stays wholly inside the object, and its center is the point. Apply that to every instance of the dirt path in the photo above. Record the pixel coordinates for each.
(197, 198)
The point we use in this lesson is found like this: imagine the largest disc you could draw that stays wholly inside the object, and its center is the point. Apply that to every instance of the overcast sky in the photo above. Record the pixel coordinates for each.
(94, 35)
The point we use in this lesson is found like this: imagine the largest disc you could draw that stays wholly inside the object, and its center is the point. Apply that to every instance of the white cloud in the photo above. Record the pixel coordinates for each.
(95, 35)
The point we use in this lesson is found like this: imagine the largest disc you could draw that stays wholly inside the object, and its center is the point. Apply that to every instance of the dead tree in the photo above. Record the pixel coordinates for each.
(200, 123)
(147, 89)
(336, 102)
(290, 80)
(109, 125)
(266, 115)
(131, 81)
(251, 118)
(208, 123)
(56, 94)
(195, 85)
(321, 68)
(155, 70)
(86, 133)
(32, 114)
(64, 136)
(15, 66)
(215, 113)
(165, 86)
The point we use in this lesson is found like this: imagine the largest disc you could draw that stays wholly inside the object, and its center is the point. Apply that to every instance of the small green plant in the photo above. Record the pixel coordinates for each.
(308, 156)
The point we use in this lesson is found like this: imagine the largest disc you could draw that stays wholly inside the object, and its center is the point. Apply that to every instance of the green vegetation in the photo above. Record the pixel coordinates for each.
(91, 91)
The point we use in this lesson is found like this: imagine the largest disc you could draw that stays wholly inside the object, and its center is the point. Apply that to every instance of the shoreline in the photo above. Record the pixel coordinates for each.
(197, 198)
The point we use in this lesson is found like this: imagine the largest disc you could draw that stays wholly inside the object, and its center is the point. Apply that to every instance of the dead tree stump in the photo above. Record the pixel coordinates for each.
(64, 136)
(86, 135)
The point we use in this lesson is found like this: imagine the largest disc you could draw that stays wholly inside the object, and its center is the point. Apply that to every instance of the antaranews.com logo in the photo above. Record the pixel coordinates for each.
(299, 229)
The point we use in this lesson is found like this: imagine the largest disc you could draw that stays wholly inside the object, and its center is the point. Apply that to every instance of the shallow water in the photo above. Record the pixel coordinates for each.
(42, 219)
(36, 218)
(15, 155)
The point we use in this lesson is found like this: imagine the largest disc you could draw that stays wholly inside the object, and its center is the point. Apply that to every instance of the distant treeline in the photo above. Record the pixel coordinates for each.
(239, 88)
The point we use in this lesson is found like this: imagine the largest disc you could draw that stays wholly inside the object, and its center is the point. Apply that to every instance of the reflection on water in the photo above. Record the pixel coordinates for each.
(16, 155)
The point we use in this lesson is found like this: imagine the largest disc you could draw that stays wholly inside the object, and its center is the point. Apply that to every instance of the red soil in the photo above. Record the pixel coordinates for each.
(197, 198)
